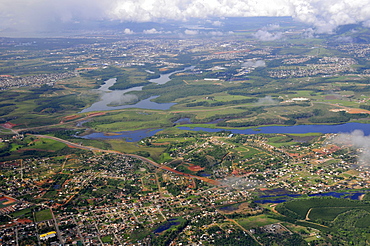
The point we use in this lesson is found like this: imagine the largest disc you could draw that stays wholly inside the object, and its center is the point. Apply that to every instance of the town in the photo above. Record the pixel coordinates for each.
(111, 199)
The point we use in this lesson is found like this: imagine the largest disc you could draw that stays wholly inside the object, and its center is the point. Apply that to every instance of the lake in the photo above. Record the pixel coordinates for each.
(120, 99)
(297, 129)
(134, 136)
(166, 225)
(164, 78)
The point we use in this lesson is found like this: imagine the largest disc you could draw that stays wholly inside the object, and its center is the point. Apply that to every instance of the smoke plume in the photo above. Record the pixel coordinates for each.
(359, 141)
(267, 100)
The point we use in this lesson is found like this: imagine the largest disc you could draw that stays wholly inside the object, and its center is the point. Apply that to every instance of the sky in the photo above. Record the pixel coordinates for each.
(38, 15)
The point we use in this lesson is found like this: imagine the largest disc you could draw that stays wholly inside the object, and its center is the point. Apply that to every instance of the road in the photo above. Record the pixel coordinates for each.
(163, 167)
(57, 228)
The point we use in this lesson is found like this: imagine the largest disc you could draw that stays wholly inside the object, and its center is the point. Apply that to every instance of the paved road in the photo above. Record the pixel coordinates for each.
(57, 228)
(90, 148)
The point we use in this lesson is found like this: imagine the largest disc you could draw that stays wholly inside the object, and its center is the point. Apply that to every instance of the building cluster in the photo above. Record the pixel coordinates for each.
(359, 50)
(109, 197)
(34, 80)
(324, 66)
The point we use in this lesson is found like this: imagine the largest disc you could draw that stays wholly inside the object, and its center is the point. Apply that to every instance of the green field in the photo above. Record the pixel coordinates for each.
(322, 208)
(327, 214)
(43, 215)
(363, 222)
(256, 221)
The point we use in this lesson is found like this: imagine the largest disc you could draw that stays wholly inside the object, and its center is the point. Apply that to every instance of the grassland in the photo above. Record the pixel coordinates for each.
(43, 215)
(326, 209)
(256, 221)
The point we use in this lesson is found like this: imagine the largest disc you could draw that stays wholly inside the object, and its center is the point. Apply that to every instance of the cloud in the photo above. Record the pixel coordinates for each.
(359, 141)
(217, 23)
(308, 33)
(265, 35)
(273, 27)
(128, 31)
(216, 33)
(345, 39)
(151, 31)
(191, 32)
(254, 64)
(122, 99)
(323, 15)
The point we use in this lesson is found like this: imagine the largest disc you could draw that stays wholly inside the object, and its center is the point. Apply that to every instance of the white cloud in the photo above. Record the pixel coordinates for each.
(128, 31)
(253, 64)
(217, 23)
(345, 39)
(216, 33)
(191, 32)
(264, 35)
(324, 15)
(151, 31)
(273, 27)
(309, 33)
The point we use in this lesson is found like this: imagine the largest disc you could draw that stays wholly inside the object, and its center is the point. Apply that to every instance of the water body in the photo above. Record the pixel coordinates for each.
(134, 136)
(164, 78)
(230, 208)
(167, 225)
(119, 99)
(116, 97)
(343, 128)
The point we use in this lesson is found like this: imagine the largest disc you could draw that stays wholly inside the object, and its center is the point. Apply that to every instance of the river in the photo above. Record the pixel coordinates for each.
(120, 99)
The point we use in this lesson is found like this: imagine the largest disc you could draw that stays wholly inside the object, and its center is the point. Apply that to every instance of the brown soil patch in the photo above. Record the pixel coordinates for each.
(358, 111)
(351, 110)
(96, 114)
(8, 125)
(71, 146)
(195, 168)
(70, 117)
(7, 200)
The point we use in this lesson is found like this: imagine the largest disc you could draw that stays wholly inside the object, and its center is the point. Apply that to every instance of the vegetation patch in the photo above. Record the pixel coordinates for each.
(43, 215)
